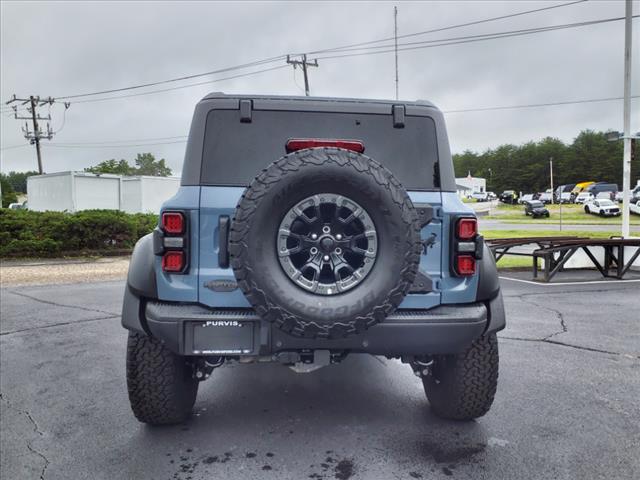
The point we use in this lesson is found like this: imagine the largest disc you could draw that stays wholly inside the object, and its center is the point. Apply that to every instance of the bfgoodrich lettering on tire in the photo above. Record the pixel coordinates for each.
(325, 243)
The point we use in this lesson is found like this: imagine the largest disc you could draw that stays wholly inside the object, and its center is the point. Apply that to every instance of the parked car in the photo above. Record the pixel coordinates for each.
(635, 193)
(635, 207)
(584, 197)
(526, 198)
(566, 197)
(581, 187)
(559, 194)
(480, 196)
(606, 195)
(618, 196)
(535, 208)
(302, 251)
(18, 206)
(509, 196)
(492, 196)
(600, 187)
(602, 207)
(545, 197)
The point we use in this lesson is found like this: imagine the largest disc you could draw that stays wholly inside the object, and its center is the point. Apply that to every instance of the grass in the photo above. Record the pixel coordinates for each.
(574, 214)
(511, 261)
(489, 234)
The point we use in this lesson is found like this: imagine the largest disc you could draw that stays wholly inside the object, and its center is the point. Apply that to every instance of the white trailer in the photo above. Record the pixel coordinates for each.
(145, 194)
(76, 191)
(73, 191)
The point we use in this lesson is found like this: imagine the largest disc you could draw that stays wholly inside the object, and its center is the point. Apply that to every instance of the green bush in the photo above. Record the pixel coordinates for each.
(24, 233)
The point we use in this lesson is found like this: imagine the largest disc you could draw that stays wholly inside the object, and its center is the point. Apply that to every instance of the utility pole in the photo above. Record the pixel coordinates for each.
(34, 136)
(551, 175)
(560, 204)
(626, 161)
(304, 63)
(395, 36)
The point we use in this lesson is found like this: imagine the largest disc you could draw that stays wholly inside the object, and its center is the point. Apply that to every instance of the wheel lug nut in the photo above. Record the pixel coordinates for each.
(338, 237)
(326, 229)
(338, 251)
(313, 250)
(326, 258)
(314, 236)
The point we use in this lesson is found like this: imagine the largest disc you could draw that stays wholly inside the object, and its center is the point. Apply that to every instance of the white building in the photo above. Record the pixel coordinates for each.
(76, 191)
(147, 194)
(469, 185)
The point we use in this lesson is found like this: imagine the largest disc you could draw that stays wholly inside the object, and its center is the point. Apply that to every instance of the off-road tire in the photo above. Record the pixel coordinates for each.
(161, 386)
(462, 386)
(253, 233)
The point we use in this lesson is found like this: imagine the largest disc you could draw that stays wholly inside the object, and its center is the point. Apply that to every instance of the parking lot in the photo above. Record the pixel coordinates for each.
(568, 402)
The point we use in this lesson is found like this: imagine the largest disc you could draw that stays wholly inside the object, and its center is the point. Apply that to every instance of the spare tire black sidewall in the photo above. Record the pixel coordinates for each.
(305, 313)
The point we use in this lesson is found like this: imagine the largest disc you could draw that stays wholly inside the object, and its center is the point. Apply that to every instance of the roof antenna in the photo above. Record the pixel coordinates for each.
(395, 35)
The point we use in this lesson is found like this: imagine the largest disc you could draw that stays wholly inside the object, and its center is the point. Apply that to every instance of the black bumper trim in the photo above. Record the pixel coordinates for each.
(441, 330)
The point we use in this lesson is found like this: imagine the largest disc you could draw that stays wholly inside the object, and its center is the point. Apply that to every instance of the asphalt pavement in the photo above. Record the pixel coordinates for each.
(567, 407)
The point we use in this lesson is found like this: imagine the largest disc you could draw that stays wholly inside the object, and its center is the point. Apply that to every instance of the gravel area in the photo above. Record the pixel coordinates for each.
(56, 271)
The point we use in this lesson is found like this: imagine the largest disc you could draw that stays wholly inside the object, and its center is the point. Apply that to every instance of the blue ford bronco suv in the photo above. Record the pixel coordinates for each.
(307, 229)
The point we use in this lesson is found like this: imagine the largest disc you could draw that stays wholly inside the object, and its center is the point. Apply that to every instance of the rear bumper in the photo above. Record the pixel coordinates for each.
(191, 329)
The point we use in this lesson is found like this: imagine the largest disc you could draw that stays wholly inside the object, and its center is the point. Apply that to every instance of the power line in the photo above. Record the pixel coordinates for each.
(450, 27)
(116, 146)
(106, 142)
(15, 146)
(177, 79)
(484, 35)
(406, 46)
(280, 57)
(146, 141)
(473, 38)
(534, 105)
(91, 100)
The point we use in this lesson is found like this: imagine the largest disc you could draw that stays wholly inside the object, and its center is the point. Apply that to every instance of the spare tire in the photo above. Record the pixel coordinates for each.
(325, 243)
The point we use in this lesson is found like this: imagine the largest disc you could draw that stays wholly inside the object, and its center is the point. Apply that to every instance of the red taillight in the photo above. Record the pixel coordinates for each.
(173, 222)
(173, 261)
(296, 144)
(467, 244)
(465, 265)
(466, 228)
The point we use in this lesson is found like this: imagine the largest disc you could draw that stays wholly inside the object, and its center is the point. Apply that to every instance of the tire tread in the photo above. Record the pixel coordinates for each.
(161, 391)
(468, 381)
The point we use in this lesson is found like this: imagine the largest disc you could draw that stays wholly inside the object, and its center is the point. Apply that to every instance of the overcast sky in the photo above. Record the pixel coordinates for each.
(66, 48)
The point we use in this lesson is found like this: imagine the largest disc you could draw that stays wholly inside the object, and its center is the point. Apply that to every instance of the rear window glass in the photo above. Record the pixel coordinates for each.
(235, 152)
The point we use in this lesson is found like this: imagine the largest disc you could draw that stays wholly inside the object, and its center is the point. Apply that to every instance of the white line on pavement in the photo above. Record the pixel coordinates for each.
(591, 282)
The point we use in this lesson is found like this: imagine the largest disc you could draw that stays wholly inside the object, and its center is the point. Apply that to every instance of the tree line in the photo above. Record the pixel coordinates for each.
(590, 157)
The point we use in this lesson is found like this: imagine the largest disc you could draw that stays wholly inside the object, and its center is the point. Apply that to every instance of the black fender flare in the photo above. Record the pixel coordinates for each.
(488, 281)
(141, 284)
(489, 291)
